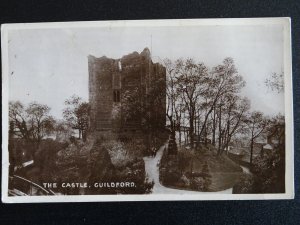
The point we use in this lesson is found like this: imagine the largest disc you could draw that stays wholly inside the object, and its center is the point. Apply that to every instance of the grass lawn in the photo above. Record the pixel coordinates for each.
(224, 172)
(223, 181)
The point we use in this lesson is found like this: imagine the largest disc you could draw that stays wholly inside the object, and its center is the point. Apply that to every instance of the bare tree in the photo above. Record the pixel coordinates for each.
(256, 123)
(223, 80)
(176, 106)
(191, 77)
(171, 92)
(197, 95)
(276, 82)
(234, 112)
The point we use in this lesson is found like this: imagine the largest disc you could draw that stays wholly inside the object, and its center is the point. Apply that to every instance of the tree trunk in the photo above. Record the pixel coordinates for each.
(251, 152)
(195, 124)
(184, 135)
(179, 129)
(220, 131)
(84, 134)
(192, 131)
(198, 133)
(205, 136)
(172, 124)
(79, 133)
(214, 128)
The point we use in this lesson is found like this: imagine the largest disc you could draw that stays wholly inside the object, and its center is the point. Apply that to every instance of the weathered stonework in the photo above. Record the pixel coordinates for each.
(109, 79)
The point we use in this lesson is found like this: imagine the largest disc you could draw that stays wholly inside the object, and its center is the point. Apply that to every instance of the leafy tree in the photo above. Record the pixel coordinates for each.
(40, 122)
(18, 120)
(137, 103)
(63, 131)
(270, 167)
(76, 114)
(32, 122)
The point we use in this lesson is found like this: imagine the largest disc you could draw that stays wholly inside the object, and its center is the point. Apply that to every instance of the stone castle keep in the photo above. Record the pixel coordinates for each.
(109, 79)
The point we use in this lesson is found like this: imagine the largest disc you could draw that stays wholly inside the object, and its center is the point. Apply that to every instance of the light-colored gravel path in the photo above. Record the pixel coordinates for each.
(152, 171)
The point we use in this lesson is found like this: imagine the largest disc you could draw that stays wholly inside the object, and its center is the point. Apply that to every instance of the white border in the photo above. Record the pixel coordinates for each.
(289, 179)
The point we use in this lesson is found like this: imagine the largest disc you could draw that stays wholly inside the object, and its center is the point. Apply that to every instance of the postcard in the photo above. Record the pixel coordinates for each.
(147, 110)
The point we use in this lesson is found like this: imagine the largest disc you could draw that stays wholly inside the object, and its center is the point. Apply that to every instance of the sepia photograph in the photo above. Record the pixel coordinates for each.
(145, 110)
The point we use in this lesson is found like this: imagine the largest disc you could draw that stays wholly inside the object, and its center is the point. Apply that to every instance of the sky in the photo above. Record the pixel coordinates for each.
(50, 65)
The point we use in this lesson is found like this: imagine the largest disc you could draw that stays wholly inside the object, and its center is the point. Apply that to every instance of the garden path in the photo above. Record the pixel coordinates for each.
(152, 171)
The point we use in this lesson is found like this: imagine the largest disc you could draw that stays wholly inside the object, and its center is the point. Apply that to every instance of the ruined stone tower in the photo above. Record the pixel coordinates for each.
(110, 79)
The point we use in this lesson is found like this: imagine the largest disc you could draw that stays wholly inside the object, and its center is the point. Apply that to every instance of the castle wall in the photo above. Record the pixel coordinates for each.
(110, 79)
(100, 92)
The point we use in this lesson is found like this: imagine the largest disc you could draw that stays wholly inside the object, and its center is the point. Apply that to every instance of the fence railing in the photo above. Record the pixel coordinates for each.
(22, 186)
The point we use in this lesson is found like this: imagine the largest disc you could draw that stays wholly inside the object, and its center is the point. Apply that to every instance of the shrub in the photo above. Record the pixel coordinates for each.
(269, 172)
(245, 185)
(200, 183)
